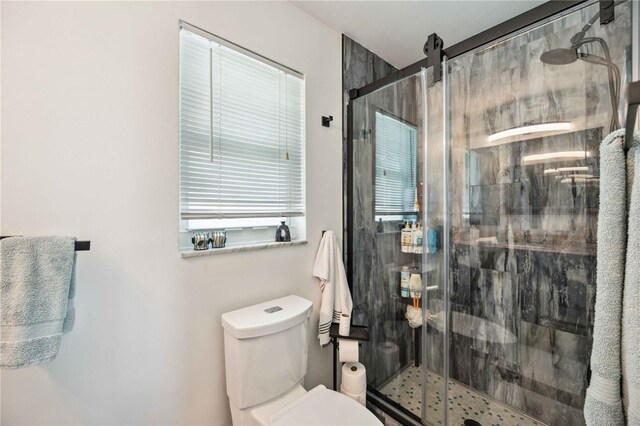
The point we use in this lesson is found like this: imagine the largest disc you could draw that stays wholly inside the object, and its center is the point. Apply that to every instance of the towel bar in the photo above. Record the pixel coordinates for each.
(80, 245)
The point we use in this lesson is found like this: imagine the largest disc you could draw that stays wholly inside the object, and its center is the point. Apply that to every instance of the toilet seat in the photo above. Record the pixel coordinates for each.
(321, 406)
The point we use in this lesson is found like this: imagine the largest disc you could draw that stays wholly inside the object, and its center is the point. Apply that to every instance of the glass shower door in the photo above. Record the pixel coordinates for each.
(435, 258)
(389, 219)
(527, 116)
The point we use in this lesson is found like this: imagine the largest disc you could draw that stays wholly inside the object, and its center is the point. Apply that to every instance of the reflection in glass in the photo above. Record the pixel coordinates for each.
(396, 152)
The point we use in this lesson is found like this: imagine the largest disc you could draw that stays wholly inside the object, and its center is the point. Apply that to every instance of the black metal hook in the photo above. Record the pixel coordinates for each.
(326, 121)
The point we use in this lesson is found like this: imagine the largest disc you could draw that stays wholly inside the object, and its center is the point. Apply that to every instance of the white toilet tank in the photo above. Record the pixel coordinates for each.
(265, 348)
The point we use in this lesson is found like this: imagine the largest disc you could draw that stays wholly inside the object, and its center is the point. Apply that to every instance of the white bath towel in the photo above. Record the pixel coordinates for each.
(336, 297)
(36, 298)
(631, 297)
(603, 402)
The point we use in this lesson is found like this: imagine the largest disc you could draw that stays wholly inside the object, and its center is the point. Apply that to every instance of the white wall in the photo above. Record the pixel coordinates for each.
(90, 149)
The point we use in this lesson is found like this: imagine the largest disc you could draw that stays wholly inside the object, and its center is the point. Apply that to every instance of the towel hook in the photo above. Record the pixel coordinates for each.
(633, 100)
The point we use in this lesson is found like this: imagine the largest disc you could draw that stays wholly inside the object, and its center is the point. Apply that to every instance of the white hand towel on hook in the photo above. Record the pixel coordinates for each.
(336, 297)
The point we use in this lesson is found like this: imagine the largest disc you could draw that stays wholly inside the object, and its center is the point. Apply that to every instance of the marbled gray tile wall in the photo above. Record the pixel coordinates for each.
(376, 255)
(360, 67)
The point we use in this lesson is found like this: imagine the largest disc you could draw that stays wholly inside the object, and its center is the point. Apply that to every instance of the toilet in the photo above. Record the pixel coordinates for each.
(266, 348)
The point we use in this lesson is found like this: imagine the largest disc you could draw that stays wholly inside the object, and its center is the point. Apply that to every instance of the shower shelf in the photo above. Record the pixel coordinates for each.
(356, 332)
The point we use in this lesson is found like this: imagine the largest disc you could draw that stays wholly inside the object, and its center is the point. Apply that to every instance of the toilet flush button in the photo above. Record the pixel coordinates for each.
(273, 309)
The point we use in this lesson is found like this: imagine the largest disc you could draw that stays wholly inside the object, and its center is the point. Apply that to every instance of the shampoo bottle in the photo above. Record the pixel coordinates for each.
(414, 237)
(405, 275)
(415, 285)
(432, 239)
(405, 238)
(419, 238)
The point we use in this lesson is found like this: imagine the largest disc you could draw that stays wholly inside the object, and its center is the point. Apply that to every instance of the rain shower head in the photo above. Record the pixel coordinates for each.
(565, 56)
(561, 56)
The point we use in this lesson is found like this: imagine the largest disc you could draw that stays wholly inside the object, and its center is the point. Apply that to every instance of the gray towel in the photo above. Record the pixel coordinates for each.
(603, 405)
(36, 293)
(631, 298)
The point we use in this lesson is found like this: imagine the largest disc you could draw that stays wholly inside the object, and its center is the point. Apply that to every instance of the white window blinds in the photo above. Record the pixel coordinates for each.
(396, 164)
(241, 132)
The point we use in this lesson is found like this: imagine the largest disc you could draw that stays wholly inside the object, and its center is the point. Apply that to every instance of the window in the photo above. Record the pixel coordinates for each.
(241, 138)
(396, 154)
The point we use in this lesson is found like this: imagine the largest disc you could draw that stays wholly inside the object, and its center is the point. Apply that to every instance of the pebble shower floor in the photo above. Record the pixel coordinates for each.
(464, 403)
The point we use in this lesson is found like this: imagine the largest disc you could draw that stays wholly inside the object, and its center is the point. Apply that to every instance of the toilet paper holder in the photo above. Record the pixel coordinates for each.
(356, 332)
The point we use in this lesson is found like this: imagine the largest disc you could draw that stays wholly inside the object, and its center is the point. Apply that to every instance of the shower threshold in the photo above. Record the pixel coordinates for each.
(464, 403)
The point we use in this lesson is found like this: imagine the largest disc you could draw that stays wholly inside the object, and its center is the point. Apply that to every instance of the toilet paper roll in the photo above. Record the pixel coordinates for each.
(345, 325)
(354, 378)
(348, 350)
(361, 397)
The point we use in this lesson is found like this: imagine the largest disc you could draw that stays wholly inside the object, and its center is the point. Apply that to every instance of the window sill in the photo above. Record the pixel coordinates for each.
(239, 248)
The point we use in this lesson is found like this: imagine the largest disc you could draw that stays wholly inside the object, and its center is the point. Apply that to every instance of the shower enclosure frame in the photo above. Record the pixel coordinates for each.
(546, 11)
(533, 16)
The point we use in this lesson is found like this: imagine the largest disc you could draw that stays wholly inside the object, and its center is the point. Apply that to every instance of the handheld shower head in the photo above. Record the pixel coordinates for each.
(561, 56)
(593, 59)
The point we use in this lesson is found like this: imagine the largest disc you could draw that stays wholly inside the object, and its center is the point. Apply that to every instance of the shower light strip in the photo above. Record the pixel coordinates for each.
(562, 155)
(580, 180)
(578, 176)
(534, 128)
(566, 169)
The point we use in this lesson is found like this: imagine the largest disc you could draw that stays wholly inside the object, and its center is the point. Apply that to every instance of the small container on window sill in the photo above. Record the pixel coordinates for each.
(282, 233)
(218, 239)
(200, 241)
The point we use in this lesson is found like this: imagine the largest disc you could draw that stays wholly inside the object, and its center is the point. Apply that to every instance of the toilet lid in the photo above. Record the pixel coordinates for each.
(321, 406)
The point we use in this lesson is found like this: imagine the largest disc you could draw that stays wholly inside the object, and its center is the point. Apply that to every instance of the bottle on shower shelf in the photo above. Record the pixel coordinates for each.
(414, 313)
(432, 239)
(418, 237)
(414, 236)
(405, 238)
(415, 285)
(405, 275)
